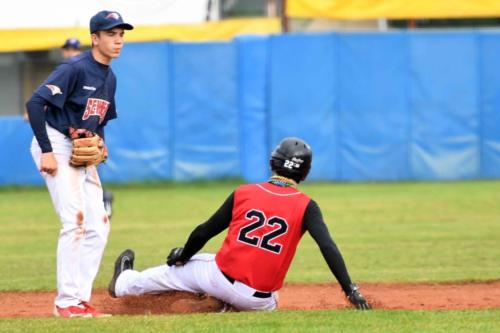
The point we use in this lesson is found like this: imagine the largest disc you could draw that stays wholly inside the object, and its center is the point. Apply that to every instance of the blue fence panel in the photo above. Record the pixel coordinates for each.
(373, 108)
(16, 164)
(490, 104)
(252, 88)
(205, 125)
(392, 106)
(139, 140)
(444, 105)
(303, 98)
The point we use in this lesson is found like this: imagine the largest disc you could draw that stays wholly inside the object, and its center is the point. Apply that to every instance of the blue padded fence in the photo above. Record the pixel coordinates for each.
(204, 111)
(139, 141)
(374, 106)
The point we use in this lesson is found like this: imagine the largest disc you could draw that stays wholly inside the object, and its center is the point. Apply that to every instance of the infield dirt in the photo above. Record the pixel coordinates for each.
(396, 296)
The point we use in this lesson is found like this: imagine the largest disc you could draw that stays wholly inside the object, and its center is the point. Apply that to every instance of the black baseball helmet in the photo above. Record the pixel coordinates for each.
(292, 159)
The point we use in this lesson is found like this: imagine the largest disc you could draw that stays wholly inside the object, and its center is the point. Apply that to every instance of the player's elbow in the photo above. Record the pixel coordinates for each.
(34, 104)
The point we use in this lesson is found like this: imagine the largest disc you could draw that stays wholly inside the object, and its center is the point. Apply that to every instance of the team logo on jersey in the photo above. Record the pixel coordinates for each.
(96, 107)
(113, 15)
(54, 89)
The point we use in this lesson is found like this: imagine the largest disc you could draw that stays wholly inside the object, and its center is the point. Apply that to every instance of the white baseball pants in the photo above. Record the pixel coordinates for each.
(77, 198)
(199, 275)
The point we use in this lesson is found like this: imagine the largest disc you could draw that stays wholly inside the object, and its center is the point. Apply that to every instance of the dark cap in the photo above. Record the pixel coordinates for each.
(71, 43)
(107, 20)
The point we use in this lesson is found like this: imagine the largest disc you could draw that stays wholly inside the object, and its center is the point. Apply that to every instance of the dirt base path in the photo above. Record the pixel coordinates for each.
(414, 296)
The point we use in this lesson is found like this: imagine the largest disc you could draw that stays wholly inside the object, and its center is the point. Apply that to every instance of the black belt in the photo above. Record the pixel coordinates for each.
(258, 294)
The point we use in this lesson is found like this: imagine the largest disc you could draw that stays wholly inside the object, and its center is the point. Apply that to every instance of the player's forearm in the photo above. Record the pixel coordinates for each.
(313, 222)
(35, 107)
(198, 238)
(202, 234)
(337, 266)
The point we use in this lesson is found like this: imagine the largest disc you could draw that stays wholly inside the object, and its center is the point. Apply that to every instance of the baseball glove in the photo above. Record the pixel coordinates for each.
(88, 148)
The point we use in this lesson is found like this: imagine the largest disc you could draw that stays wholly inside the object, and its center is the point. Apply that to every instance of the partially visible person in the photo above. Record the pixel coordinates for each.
(107, 198)
(72, 105)
(71, 48)
(266, 222)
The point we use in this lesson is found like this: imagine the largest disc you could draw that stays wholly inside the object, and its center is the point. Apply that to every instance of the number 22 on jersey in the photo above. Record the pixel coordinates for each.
(266, 242)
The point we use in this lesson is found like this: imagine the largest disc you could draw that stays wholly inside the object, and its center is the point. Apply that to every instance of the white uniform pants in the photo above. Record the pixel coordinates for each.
(77, 197)
(199, 274)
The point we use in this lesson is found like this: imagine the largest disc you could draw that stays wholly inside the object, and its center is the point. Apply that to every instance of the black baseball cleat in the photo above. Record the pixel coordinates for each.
(123, 262)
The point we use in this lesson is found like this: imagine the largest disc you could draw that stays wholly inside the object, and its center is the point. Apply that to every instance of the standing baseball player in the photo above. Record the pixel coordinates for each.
(71, 48)
(266, 222)
(68, 113)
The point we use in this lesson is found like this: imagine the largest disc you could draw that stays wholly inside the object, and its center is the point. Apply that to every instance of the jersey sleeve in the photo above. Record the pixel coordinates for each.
(58, 86)
(313, 222)
(35, 107)
(111, 113)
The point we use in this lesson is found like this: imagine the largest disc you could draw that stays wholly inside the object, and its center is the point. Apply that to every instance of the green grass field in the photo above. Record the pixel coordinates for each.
(280, 321)
(386, 232)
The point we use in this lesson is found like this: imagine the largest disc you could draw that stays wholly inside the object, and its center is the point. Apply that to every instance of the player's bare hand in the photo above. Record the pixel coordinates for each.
(175, 257)
(358, 300)
(48, 163)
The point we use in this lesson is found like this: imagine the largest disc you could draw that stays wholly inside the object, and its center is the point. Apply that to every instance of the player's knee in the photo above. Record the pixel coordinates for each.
(98, 236)
(73, 232)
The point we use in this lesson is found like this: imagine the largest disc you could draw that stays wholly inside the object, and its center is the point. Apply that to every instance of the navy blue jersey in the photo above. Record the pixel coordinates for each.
(80, 94)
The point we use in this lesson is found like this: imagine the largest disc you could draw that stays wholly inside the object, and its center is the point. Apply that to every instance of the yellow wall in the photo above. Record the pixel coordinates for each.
(393, 9)
(42, 39)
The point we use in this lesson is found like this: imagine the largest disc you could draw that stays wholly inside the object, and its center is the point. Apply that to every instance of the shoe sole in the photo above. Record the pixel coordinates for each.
(119, 269)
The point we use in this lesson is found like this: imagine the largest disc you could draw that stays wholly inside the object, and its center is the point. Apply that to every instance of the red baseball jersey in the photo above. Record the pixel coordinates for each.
(263, 235)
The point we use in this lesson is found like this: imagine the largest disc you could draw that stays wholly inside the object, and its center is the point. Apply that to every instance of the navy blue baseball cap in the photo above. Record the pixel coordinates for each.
(71, 43)
(107, 20)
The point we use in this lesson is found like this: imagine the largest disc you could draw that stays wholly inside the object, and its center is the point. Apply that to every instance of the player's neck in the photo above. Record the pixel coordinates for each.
(99, 57)
(282, 181)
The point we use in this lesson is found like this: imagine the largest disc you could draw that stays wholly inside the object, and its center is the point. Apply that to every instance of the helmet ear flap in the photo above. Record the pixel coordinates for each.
(306, 172)
(276, 165)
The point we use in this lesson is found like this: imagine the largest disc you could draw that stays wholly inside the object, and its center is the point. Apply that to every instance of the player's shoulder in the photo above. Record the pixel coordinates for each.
(314, 208)
(312, 203)
(112, 73)
(245, 188)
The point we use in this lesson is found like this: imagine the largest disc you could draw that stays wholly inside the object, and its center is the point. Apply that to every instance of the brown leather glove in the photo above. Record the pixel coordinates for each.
(88, 148)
